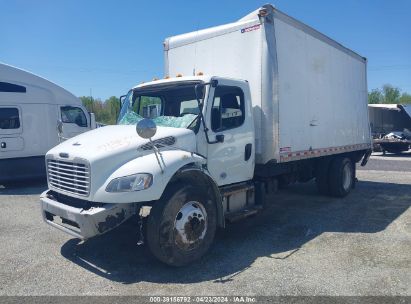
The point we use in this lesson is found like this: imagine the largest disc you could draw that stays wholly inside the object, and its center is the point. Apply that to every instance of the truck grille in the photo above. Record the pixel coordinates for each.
(166, 141)
(73, 177)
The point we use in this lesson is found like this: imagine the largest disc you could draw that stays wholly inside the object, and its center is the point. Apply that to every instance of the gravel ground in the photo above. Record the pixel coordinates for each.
(303, 244)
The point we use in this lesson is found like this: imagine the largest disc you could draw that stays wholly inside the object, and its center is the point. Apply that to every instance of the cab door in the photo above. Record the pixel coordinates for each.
(74, 121)
(230, 122)
(10, 129)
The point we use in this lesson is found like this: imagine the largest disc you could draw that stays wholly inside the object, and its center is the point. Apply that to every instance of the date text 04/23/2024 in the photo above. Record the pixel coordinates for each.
(202, 299)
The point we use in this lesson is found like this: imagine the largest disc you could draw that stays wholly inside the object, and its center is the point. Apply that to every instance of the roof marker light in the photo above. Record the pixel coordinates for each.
(179, 75)
(200, 74)
(263, 12)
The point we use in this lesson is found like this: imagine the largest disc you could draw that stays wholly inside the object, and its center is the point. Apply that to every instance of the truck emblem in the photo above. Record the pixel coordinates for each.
(250, 28)
(64, 155)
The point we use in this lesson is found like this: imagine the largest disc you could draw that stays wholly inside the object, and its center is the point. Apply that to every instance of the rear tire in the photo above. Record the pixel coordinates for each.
(341, 176)
(181, 225)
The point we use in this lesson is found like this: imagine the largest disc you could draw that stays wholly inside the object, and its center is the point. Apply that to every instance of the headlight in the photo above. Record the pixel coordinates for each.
(135, 182)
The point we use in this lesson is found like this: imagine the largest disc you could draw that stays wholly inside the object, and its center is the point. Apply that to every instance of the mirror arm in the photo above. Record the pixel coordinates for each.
(205, 128)
(213, 83)
(157, 153)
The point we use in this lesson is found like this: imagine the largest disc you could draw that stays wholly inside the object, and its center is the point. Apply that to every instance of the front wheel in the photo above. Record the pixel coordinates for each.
(181, 225)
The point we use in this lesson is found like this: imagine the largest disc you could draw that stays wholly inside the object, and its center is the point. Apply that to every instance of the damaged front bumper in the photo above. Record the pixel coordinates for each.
(80, 222)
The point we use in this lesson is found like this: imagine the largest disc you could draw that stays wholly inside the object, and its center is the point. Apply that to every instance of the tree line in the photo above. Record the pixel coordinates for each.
(107, 111)
(389, 94)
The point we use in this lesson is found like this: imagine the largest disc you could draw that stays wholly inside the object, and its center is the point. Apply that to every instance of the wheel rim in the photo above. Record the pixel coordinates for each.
(190, 225)
(347, 176)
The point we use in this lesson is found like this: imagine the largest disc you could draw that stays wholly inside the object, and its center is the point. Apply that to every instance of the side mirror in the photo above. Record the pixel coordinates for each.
(93, 124)
(146, 128)
(59, 127)
(199, 90)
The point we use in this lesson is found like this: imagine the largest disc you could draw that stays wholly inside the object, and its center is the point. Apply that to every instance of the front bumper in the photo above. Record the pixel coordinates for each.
(83, 223)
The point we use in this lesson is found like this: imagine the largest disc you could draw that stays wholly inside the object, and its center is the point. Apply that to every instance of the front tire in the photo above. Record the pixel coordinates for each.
(181, 225)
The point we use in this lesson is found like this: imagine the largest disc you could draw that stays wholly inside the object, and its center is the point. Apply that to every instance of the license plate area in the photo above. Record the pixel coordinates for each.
(61, 221)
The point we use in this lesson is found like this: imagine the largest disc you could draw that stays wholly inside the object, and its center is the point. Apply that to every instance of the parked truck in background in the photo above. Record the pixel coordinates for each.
(244, 106)
(35, 115)
(390, 127)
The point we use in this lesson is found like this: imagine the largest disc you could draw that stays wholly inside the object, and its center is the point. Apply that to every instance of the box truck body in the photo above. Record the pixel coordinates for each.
(30, 109)
(309, 93)
(243, 108)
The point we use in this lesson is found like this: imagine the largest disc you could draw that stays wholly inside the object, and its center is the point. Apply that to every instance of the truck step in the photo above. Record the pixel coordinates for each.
(242, 214)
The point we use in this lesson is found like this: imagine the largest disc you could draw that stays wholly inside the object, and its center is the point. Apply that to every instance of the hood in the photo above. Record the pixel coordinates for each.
(119, 143)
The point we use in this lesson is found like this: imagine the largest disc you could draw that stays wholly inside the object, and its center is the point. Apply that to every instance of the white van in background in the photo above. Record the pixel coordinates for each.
(32, 109)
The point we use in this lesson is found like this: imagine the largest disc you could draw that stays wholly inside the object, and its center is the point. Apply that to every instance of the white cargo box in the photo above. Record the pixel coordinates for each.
(309, 93)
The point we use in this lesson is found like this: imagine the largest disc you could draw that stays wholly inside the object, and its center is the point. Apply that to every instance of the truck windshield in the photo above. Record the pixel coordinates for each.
(168, 106)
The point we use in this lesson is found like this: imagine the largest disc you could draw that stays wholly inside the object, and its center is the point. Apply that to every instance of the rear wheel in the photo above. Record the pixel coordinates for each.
(341, 176)
(181, 225)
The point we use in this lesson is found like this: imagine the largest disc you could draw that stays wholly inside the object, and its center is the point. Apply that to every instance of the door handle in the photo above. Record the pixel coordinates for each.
(247, 151)
(3, 145)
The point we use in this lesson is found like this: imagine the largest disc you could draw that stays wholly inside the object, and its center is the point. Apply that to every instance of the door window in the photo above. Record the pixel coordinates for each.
(9, 118)
(227, 111)
(73, 115)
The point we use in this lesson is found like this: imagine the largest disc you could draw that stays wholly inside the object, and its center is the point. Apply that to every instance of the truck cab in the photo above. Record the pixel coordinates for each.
(226, 109)
(189, 165)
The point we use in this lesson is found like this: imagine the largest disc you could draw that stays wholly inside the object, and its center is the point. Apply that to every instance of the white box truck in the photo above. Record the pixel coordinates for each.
(31, 109)
(269, 100)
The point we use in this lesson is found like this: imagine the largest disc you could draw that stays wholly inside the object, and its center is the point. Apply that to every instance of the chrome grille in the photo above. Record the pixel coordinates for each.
(166, 141)
(73, 177)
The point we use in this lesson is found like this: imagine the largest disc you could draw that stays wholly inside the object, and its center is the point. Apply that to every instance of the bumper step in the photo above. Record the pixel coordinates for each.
(239, 215)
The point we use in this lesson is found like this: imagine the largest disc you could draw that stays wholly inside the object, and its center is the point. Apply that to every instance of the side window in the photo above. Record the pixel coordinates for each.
(227, 111)
(11, 88)
(189, 107)
(9, 118)
(73, 115)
